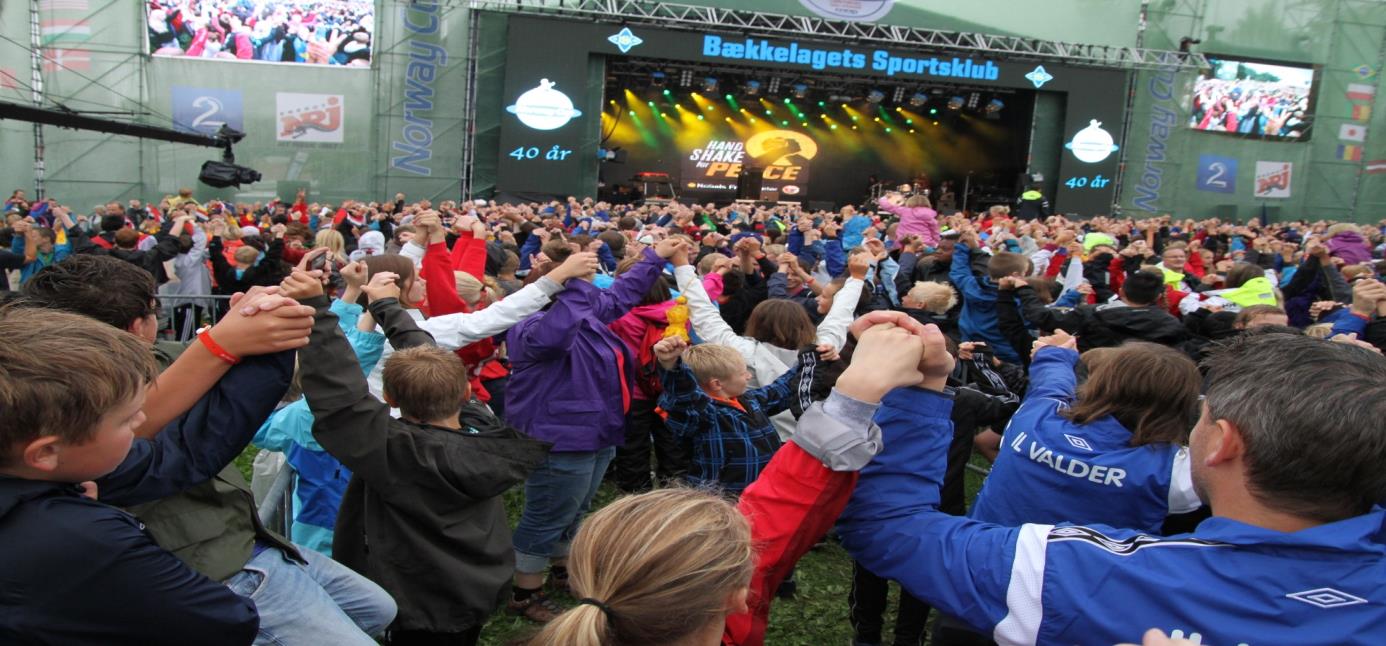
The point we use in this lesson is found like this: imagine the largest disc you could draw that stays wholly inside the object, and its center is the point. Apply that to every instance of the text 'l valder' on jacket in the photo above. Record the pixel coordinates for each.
(1053, 470)
(422, 516)
(1230, 582)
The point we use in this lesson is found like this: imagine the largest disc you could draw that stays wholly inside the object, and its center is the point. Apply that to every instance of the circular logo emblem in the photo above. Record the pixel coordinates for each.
(544, 108)
(850, 10)
(781, 147)
(1092, 144)
(789, 189)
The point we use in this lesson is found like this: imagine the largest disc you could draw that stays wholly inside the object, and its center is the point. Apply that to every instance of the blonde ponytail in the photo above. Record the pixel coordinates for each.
(653, 569)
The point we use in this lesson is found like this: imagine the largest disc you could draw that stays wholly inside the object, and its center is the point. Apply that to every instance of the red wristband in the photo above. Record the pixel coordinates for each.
(1364, 317)
(206, 338)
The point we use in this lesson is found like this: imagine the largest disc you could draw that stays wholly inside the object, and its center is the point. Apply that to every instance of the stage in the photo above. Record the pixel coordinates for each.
(819, 119)
(818, 140)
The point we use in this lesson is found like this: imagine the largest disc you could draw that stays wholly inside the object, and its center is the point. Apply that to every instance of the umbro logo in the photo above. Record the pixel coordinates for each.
(1326, 598)
(1078, 442)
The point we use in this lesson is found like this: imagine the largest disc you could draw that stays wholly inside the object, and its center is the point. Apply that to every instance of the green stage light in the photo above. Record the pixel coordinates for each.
(700, 117)
(728, 97)
(767, 112)
(933, 110)
(887, 129)
(632, 113)
(784, 123)
(854, 117)
(821, 104)
(834, 126)
(651, 103)
(786, 99)
(909, 121)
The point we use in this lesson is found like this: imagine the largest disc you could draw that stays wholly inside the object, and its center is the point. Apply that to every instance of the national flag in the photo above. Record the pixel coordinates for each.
(1364, 72)
(1360, 92)
(1352, 132)
(1349, 152)
(1375, 166)
(64, 5)
(1361, 112)
(57, 59)
(64, 31)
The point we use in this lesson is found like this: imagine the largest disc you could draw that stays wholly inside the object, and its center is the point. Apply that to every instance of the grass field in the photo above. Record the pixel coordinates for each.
(817, 616)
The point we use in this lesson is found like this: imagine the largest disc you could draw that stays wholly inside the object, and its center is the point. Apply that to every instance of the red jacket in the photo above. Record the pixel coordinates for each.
(468, 255)
(793, 503)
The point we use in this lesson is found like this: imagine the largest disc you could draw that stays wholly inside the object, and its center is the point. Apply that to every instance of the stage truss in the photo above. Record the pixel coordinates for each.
(755, 23)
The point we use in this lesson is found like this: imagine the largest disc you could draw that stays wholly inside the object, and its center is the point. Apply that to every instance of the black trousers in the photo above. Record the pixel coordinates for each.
(186, 319)
(646, 432)
(868, 605)
(419, 638)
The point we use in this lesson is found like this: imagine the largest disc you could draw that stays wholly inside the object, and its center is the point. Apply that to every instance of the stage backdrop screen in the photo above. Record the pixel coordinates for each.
(1253, 99)
(311, 32)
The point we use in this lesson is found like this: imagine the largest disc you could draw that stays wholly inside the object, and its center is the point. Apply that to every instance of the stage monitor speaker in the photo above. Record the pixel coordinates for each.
(748, 183)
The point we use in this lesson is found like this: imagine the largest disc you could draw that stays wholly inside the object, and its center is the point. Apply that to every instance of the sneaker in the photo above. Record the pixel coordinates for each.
(788, 588)
(557, 583)
(538, 608)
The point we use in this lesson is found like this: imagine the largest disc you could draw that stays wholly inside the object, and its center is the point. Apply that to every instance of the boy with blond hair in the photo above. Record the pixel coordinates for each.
(706, 400)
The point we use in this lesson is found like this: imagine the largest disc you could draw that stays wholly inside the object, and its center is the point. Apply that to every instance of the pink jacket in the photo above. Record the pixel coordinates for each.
(917, 220)
(631, 329)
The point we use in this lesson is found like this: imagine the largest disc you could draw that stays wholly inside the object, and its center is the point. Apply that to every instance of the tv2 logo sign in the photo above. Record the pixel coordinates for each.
(206, 110)
(315, 118)
(1217, 174)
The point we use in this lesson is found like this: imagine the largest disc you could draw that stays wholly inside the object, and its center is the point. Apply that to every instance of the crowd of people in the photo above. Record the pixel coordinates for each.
(337, 32)
(1183, 420)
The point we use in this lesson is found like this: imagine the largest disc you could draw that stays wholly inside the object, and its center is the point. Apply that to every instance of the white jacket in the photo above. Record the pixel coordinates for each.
(766, 362)
(453, 331)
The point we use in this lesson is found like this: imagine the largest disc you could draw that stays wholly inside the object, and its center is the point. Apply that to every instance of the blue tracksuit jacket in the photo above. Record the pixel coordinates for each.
(978, 319)
(1228, 582)
(1052, 470)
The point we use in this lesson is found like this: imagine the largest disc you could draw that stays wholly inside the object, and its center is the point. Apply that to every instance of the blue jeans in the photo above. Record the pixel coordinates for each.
(557, 495)
(321, 602)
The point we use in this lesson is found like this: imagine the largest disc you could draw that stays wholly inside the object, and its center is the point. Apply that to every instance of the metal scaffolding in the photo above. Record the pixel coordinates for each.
(756, 23)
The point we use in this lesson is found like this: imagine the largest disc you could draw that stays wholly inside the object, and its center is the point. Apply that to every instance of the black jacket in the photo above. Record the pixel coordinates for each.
(267, 272)
(1103, 326)
(78, 571)
(423, 515)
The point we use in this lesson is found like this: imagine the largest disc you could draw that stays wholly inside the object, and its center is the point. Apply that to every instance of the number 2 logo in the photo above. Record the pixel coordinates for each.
(211, 107)
(1216, 178)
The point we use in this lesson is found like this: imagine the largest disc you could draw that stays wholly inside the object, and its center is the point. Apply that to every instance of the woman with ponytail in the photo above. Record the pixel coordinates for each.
(661, 568)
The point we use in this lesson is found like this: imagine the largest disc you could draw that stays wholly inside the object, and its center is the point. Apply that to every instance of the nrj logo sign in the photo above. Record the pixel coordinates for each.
(850, 10)
(544, 108)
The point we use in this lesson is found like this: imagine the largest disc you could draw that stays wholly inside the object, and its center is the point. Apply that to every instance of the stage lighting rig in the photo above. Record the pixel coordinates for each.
(799, 90)
(685, 78)
(899, 96)
(973, 99)
(875, 96)
(710, 84)
(956, 103)
(658, 79)
(751, 88)
(774, 85)
(918, 99)
(994, 106)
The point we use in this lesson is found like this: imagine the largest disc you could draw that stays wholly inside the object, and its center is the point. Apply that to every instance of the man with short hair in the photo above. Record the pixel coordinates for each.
(1287, 453)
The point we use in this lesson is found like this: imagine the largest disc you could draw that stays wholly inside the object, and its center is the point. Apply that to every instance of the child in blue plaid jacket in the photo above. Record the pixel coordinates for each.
(706, 400)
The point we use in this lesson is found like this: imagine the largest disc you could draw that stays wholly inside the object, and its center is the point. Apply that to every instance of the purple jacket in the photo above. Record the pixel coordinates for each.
(1351, 247)
(565, 383)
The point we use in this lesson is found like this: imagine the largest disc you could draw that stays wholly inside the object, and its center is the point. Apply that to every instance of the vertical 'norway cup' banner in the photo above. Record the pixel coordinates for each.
(309, 118)
(783, 156)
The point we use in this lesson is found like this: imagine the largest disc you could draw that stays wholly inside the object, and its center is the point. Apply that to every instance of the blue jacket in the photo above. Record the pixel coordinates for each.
(568, 371)
(320, 479)
(978, 319)
(1229, 582)
(77, 571)
(1052, 470)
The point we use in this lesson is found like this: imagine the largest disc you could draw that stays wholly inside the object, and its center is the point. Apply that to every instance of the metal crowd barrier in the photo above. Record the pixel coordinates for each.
(167, 302)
